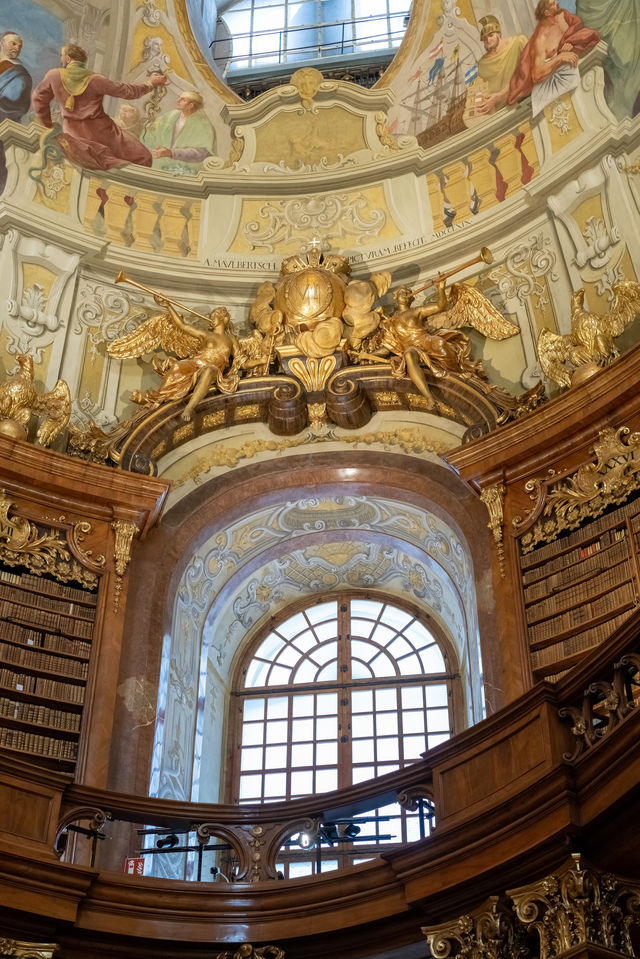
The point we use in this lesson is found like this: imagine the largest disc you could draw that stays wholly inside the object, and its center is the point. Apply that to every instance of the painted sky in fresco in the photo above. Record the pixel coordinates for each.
(40, 30)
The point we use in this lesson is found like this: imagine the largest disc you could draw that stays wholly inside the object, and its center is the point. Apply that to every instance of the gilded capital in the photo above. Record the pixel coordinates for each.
(489, 932)
(579, 906)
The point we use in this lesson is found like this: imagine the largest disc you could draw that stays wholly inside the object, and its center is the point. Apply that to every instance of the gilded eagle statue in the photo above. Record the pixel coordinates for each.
(590, 343)
(20, 400)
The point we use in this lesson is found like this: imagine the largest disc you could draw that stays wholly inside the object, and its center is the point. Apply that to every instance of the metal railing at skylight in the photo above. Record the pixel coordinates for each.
(294, 44)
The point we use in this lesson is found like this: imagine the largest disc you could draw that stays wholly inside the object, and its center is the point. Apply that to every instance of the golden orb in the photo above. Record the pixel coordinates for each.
(13, 429)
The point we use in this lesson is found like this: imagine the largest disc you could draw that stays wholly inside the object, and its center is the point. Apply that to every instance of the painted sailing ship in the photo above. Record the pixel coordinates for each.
(441, 102)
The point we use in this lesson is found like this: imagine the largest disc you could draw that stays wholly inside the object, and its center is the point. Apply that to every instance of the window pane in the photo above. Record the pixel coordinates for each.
(277, 707)
(387, 699)
(288, 656)
(251, 759)
(396, 618)
(363, 651)
(327, 754)
(413, 722)
(435, 740)
(386, 724)
(270, 648)
(326, 727)
(437, 695)
(326, 780)
(410, 665)
(382, 634)
(362, 773)
(361, 627)
(362, 725)
(365, 751)
(322, 654)
(413, 746)
(359, 670)
(412, 696)
(275, 784)
(275, 757)
(328, 673)
(302, 782)
(387, 748)
(365, 607)
(361, 700)
(303, 705)
(438, 720)
(291, 627)
(322, 611)
(276, 732)
(256, 674)
(252, 734)
(279, 676)
(253, 709)
(302, 754)
(306, 673)
(302, 730)
(382, 666)
(433, 660)
(327, 703)
(250, 787)
(326, 631)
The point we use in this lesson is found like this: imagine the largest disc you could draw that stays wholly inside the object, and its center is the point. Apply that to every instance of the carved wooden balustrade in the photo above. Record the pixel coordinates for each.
(510, 794)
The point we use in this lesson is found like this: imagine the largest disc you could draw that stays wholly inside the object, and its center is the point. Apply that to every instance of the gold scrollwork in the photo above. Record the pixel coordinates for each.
(493, 499)
(125, 531)
(313, 373)
(80, 531)
(565, 503)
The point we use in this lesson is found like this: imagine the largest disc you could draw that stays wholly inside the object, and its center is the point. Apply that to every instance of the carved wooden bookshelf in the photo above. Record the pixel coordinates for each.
(46, 631)
(579, 588)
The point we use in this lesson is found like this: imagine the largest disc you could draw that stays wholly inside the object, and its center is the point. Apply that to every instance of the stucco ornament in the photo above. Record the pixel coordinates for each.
(314, 304)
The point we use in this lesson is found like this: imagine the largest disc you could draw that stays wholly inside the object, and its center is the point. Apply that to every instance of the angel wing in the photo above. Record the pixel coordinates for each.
(158, 330)
(469, 307)
(57, 405)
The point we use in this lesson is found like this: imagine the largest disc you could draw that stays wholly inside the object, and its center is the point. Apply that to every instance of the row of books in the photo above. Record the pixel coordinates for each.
(40, 745)
(37, 713)
(581, 555)
(578, 642)
(590, 530)
(43, 617)
(572, 595)
(49, 663)
(611, 601)
(14, 633)
(65, 606)
(58, 589)
(46, 688)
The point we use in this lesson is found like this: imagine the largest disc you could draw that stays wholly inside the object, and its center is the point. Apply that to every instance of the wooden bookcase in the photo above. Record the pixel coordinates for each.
(46, 632)
(578, 589)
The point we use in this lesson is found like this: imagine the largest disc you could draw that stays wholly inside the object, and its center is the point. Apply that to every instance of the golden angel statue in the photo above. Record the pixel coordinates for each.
(19, 401)
(203, 358)
(590, 344)
(439, 346)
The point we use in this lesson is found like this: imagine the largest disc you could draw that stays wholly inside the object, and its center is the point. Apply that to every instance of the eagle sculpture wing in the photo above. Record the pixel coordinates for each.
(553, 350)
(157, 330)
(626, 306)
(469, 307)
(56, 404)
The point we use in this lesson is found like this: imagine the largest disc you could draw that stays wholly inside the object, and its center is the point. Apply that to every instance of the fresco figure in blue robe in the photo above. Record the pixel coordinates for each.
(619, 24)
(15, 80)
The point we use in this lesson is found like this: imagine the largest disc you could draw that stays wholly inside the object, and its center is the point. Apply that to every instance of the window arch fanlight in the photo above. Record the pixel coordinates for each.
(336, 693)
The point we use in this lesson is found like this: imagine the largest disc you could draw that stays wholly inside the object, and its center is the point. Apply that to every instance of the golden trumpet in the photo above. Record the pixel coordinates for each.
(484, 256)
(123, 278)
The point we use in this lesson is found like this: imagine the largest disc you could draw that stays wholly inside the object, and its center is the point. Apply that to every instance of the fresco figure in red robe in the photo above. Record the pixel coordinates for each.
(89, 137)
(548, 65)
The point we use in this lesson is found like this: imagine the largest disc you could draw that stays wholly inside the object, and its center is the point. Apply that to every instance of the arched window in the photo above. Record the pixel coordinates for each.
(338, 693)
